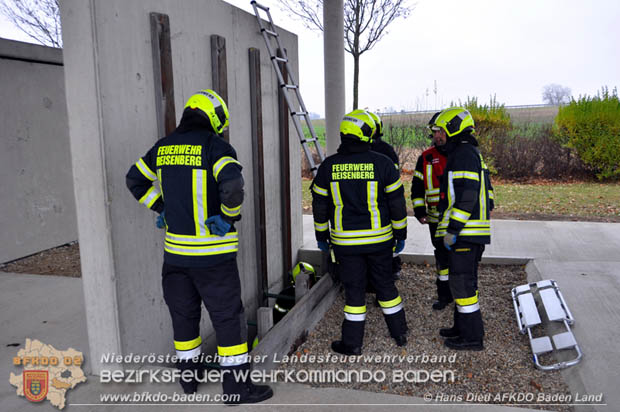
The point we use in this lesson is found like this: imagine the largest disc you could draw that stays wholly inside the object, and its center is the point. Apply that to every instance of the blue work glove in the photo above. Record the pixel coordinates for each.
(217, 225)
(161, 220)
(448, 240)
(400, 245)
(323, 245)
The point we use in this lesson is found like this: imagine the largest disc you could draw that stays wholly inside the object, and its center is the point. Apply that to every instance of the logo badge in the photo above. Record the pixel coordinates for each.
(35, 385)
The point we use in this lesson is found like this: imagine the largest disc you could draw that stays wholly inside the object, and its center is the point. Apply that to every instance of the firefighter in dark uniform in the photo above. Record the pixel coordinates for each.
(465, 225)
(425, 197)
(359, 207)
(379, 145)
(193, 179)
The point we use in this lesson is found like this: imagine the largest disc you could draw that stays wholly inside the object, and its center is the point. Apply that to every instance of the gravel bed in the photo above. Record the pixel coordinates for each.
(60, 261)
(504, 367)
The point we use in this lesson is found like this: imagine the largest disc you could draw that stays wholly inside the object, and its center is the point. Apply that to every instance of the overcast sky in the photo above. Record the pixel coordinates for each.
(480, 48)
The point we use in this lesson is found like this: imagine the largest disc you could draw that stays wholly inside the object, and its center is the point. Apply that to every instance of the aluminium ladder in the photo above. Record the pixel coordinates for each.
(269, 32)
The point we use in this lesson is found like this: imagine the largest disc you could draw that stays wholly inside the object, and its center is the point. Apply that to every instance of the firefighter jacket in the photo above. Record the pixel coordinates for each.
(358, 192)
(191, 174)
(426, 182)
(466, 197)
(384, 148)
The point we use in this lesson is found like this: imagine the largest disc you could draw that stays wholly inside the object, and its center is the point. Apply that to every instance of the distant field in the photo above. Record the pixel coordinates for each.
(542, 114)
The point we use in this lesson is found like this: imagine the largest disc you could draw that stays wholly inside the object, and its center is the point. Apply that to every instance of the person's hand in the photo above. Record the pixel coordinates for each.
(423, 220)
(161, 220)
(448, 240)
(217, 225)
(323, 245)
(400, 245)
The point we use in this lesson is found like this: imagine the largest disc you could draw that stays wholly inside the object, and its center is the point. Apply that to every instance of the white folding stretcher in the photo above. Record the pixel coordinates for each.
(527, 299)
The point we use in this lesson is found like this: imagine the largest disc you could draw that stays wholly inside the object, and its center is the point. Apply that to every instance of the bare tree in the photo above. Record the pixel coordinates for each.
(39, 19)
(556, 94)
(365, 23)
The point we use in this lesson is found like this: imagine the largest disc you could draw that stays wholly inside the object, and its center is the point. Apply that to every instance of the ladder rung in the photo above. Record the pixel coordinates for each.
(314, 168)
(311, 140)
(273, 33)
(289, 86)
(299, 113)
(260, 6)
(279, 59)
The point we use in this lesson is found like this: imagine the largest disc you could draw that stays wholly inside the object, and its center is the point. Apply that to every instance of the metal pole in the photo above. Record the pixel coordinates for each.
(333, 51)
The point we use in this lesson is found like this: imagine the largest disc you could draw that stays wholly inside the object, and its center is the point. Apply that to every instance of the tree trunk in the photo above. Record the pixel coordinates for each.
(356, 78)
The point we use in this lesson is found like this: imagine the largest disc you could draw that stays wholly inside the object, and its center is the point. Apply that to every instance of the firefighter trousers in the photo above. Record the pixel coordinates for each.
(442, 266)
(464, 258)
(219, 288)
(355, 272)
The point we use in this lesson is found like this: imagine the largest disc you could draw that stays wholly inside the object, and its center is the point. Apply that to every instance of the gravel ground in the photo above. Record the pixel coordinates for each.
(503, 368)
(60, 261)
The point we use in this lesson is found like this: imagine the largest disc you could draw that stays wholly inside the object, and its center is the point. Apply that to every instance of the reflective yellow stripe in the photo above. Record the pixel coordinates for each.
(335, 188)
(232, 350)
(188, 344)
(321, 227)
(432, 192)
(417, 202)
(230, 211)
(396, 166)
(419, 175)
(433, 199)
(394, 186)
(361, 241)
(220, 164)
(361, 233)
(373, 208)
(161, 185)
(201, 240)
(399, 224)
(444, 272)
(319, 190)
(151, 196)
(390, 303)
(199, 195)
(463, 174)
(429, 177)
(467, 301)
(201, 251)
(483, 195)
(491, 195)
(459, 215)
(355, 309)
(145, 170)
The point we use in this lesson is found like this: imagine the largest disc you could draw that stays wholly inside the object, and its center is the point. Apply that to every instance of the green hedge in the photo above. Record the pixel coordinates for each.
(591, 126)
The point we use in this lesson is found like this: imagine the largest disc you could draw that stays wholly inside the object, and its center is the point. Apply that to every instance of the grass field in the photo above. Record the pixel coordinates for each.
(586, 201)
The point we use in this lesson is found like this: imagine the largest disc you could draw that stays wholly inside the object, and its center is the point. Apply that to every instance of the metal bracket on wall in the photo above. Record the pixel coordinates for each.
(219, 75)
(162, 71)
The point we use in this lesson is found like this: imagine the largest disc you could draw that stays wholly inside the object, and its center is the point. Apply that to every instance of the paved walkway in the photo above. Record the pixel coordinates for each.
(583, 257)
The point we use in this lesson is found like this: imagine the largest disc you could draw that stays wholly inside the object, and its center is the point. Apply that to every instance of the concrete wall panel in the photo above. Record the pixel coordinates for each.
(110, 92)
(38, 208)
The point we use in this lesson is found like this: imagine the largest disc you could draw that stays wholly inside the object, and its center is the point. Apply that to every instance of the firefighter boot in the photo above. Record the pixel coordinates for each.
(238, 386)
(339, 346)
(452, 332)
(471, 332)
(443, 294)
(190, 384)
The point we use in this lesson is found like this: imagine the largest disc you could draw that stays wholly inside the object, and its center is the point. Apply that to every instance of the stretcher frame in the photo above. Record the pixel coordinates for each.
(527, 299)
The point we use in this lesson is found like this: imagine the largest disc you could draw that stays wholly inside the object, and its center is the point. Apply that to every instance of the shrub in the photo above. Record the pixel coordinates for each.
(591, 126)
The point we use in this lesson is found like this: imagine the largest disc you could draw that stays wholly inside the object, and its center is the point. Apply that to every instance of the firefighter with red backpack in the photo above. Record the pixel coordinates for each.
(425, 197)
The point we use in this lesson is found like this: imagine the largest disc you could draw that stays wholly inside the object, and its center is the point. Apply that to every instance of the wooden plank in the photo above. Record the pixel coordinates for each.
(285, 173)
(162, 73)
(256, 115)
(219, 74)
(298, 322)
